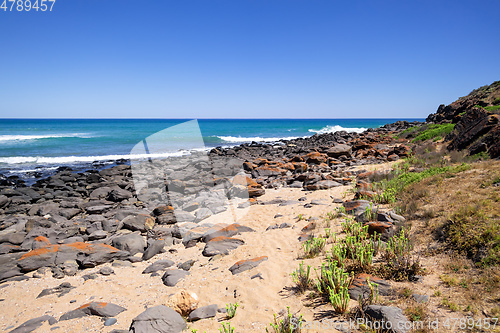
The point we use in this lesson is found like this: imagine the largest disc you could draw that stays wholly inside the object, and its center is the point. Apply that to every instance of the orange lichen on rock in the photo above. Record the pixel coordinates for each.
(238, 263)
(42, 239)
(41, 251)
(98, 305)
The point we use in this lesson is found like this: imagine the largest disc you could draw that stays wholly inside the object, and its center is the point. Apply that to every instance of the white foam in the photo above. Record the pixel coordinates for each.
(4, 138)
(337, 128)
(62, 160)
(255, 138)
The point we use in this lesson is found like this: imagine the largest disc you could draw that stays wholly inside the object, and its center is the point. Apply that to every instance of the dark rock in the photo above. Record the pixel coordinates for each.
(99, 309)
(140, 222)
(61, 290)
(158, 319)
(172, 276)
(322, 185)
(221, 245)
(203, 312)
(186, 265)
(228, 231)
(359, 286)
(132, 243)
(33, 324)
(118, 194)
(356, 207)
(153, 249)
(244, 265)
(106, 271)
(389, 314)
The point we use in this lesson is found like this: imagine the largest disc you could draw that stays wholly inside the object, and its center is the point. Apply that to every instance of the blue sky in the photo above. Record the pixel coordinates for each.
(245, 59)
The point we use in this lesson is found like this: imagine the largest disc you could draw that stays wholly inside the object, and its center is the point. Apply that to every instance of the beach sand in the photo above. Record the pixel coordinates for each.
(259, 298)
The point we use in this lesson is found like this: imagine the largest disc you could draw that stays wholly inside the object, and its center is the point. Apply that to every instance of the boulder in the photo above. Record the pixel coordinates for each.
(140, 222)
(183, 302)
(118, 194)
(158, 319)
(339, 150)
(132, 243)
(153, 249)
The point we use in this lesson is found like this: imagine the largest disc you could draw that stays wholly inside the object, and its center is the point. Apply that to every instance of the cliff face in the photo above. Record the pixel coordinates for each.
(477, 118)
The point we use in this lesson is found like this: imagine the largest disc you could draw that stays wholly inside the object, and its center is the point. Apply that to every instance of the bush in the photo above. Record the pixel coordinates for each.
(312, 247)
(434, 131)
(291, 323)
(400, 263)
(301, 277)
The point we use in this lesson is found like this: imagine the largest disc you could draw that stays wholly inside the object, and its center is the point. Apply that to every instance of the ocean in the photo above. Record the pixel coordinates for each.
(29, 146)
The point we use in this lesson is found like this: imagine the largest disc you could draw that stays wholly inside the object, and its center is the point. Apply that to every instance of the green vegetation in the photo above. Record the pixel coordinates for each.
(333, 283)
(475, 232)
(312, 247)
(301, 277)
(400, 263)
(391, 188)
(226, 329)
(291, 323)
(231, 310)
(492, 108)
(435, 132)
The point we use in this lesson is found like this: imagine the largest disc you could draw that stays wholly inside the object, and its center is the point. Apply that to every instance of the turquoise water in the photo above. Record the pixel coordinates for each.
(26, 144)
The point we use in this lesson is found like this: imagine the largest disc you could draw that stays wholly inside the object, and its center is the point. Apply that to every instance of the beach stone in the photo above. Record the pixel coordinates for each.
(322, 185)
(356, 207)
(33, 324)
(225, 231)
(153, 249)
(172, 276)
(118, 194)
(420, 298)
(100, 309)
(186, 265)
(244, 265)
(86, 254)
(392, 314)
(183, 302)
(106, 271)
(140, 222)
(339, 150)
(133, 243)
(385, 229)
(203, 312)
(158, 319)
(158, 266)
(70, 267)
(202, 214)
(98, 234)
(99, 209)
(110, 321)
(121, 263)
(61, 290)
(359, 286)
(221, 245)
(100, 193)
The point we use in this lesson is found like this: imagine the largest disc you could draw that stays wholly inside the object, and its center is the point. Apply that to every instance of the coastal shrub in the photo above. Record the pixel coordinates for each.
(290, 323)
(400, 264)
(301, 277)
(492, 108)
(391, 188)
(312, 247)
(372, 296)
(474, 230)
(226, 328)
(434, 131)
(331, 278)
(340, 300)
(231, 310)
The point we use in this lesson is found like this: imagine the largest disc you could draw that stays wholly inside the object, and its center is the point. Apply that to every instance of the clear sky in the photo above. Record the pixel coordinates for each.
(245, 58)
